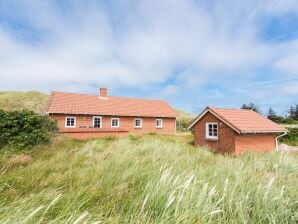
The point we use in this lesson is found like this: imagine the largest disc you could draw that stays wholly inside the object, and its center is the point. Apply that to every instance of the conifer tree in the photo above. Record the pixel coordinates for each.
(251, 106)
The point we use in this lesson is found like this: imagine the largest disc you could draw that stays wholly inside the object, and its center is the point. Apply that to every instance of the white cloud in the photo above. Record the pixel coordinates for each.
(279, 7)
(287, 61)
(139, 44)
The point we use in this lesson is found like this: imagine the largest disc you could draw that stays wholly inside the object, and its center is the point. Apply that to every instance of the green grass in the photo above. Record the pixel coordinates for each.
(147, 179)
(31, 100)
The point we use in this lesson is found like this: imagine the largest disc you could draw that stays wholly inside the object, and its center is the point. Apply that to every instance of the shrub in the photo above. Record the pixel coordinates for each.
(23, 129)
(291, 138)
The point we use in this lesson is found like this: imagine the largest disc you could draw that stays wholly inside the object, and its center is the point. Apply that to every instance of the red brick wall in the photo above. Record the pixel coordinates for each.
(126, 126)
(226, 135)
(255, 142)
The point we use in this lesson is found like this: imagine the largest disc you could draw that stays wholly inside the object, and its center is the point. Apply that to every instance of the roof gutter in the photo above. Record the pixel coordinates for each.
(261, 132)
(276, 140)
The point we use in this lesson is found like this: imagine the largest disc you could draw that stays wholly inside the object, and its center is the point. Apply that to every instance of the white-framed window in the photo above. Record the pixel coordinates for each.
(70, 122)
(97, 121)
(138, 123)
(212, 131)
(158, 123)
(115, 122)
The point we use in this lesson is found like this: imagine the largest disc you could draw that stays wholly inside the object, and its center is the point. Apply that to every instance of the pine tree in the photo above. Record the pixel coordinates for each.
(272, 115)
(296, 113)
(251, 106)
(292, 112)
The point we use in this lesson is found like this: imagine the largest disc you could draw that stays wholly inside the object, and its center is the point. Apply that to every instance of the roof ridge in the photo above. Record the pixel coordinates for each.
(120, 97)
(136, 98)
(222, 108)
(55, 91)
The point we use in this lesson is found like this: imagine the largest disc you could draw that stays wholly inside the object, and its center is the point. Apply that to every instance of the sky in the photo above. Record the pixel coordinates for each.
(190, 53)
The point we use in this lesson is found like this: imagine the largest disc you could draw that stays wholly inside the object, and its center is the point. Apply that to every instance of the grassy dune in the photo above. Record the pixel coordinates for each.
(32, 100)
(148, 179)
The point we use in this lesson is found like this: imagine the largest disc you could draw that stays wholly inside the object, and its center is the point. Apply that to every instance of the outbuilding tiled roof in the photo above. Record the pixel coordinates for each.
(75, 103)
(242, 121)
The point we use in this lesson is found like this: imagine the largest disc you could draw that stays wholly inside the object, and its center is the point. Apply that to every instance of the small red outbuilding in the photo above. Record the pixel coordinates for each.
(235, 131)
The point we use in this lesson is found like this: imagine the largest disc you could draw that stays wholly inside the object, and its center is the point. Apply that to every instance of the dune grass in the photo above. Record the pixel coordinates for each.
(32, 100)
(147, 179)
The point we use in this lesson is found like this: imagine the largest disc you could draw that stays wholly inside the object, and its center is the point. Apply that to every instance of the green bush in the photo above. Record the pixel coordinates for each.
(291, 138)
(23, 129)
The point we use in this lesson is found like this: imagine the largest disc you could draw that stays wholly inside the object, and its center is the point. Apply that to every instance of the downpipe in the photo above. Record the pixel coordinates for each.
(276, 140)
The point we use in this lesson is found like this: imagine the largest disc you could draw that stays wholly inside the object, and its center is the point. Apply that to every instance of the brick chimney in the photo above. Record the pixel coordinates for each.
(103, 92)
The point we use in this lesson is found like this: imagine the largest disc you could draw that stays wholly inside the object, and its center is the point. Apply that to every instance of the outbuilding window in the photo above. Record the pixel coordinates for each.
(115, 123)
(97, 122)
(138, 123)
(70, 122)
(211, 131)
(159, 123)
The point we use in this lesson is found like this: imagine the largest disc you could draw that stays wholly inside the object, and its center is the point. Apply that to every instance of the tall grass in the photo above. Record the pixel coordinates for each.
(32, 100)
(149, 179)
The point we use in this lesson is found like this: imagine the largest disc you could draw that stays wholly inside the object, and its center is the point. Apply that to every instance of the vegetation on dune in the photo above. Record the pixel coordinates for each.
(23, 129)
(145, 179)
(32, 100)
(291, 138)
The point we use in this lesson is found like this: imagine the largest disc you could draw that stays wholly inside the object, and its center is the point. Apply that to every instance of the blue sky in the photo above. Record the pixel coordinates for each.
(190, 53)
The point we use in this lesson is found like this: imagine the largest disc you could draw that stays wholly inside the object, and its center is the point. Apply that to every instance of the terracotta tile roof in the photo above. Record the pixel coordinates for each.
(75, 103)
(243, 121)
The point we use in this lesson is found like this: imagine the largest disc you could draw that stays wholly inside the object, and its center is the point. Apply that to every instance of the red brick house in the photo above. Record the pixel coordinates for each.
(235, 131)
(85, 115)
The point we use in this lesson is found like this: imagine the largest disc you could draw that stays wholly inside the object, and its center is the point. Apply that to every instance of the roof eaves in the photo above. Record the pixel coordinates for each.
(197, 118)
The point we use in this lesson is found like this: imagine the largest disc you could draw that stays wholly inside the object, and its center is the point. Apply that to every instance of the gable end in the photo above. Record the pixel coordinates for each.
(215, 115)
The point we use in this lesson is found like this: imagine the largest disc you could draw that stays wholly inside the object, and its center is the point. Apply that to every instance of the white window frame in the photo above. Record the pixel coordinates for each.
(118, 122)
(161, 123)
(141, 122)
(212, 137)
(75, 122)
(93, 121)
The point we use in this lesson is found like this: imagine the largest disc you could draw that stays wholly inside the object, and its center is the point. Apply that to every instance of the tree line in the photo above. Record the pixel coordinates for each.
(292, 114)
